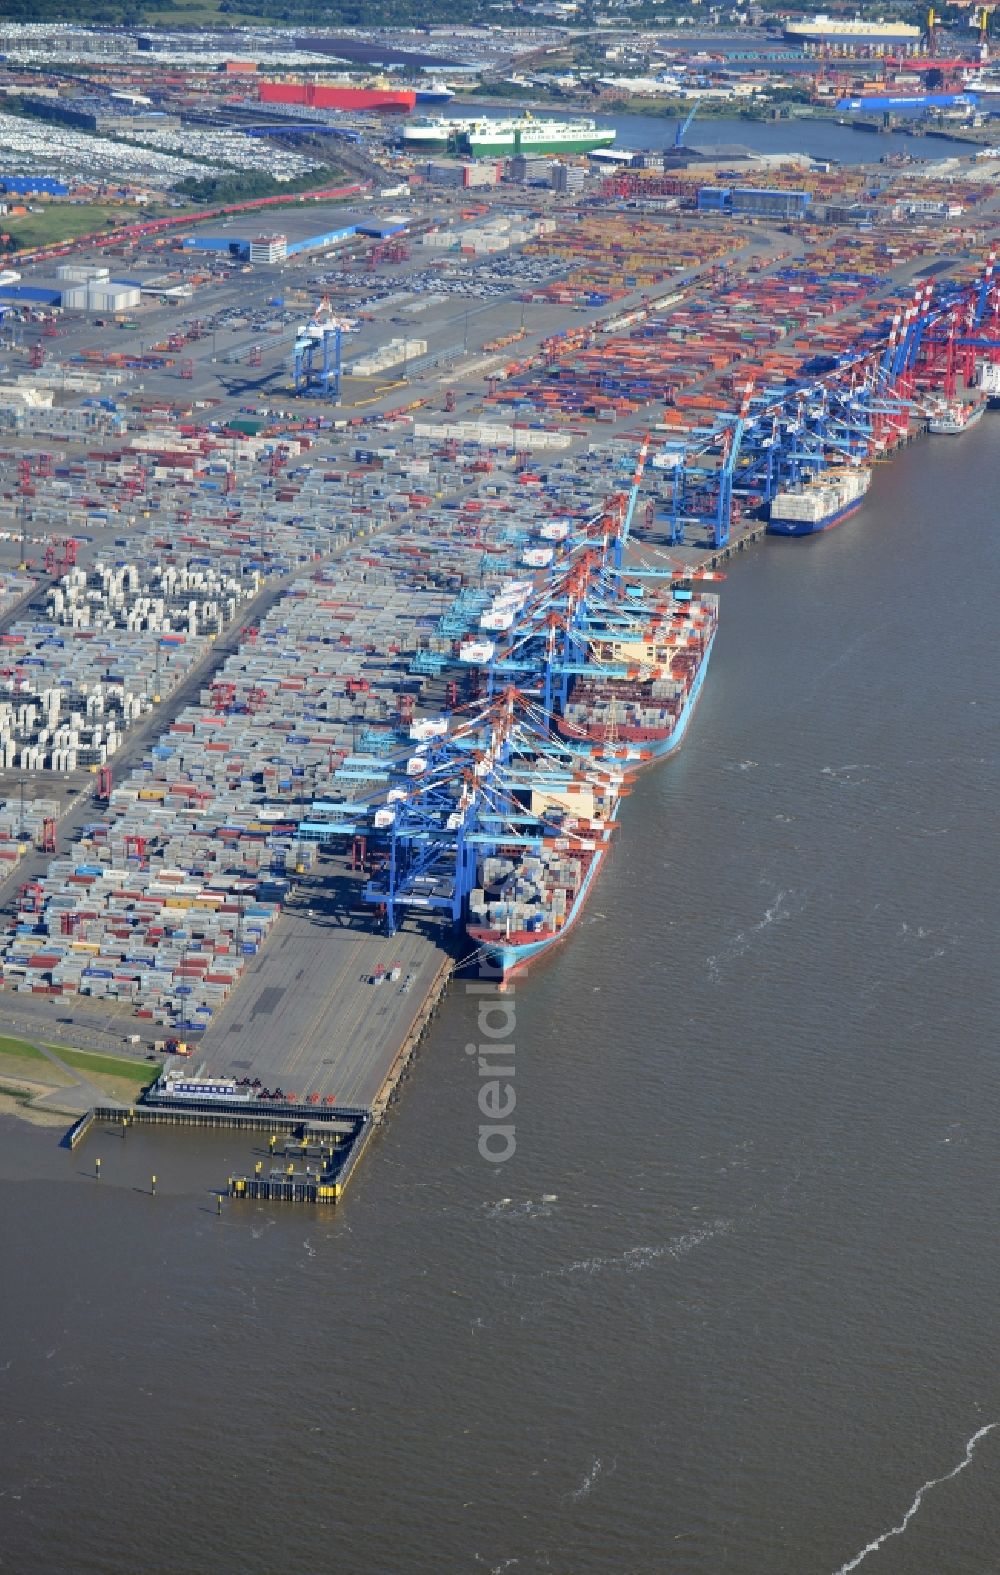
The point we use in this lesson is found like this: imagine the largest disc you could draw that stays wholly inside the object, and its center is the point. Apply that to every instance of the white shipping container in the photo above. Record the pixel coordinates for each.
(429, 727)
(81, 273)
(476, 650)
(497, 618)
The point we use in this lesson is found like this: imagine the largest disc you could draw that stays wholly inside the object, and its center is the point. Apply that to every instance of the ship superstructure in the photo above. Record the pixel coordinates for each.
(434, 93)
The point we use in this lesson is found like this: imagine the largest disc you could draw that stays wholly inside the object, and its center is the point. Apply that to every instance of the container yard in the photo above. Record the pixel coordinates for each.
(354, 559)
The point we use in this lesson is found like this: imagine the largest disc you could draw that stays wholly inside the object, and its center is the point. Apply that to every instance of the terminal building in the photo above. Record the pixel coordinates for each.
(269, 249)
(755, 201)
(296, 240)
(526, 167)
(567, 178)
(472, 173)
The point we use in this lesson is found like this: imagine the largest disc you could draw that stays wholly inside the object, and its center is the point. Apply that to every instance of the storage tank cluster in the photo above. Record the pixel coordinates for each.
(101, 295)
(82, 273)
(500, 233)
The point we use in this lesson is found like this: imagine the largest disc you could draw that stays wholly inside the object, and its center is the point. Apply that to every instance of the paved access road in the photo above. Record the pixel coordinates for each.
(306, 1016)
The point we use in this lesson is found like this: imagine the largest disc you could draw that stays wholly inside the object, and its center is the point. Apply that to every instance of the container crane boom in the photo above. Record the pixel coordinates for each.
(682, 129)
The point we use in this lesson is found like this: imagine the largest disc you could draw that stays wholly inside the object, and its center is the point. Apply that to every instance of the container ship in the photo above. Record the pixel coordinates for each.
(503, 138)
(529, 897)
(640, 719)
(953, 416)
(526, 901)
(822, 501)
(339, 95)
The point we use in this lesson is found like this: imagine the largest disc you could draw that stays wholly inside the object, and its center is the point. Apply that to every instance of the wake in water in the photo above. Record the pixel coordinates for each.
(776, 912)
(590, 1480)
(506, 1208)
(636, 1258)
(897, 1531)
(845, 771)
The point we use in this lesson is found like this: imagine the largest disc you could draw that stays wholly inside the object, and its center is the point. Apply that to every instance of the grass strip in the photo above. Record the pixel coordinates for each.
(20, 1048)
(141, 1072)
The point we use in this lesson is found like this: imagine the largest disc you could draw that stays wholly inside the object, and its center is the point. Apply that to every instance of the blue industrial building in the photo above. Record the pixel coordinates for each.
(30, 295)
(715, 199)
(239, 245)
(233, 246)
(33, 186)
(315, 243)
(381, 229)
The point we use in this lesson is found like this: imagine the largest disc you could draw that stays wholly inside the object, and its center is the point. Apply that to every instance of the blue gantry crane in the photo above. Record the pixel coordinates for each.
(415, 808)
(460, 795)
(317, 354)
(843, 413)
(433, 804)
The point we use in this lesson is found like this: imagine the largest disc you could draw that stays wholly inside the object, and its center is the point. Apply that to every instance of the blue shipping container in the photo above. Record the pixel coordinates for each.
(911, 103)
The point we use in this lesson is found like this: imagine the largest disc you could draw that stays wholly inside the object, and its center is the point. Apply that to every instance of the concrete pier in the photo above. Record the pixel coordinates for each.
(328, 1133)
(313, 1150)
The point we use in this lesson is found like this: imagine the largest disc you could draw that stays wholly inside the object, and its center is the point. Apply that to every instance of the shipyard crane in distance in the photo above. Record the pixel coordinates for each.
(981, 21)
(683, 126)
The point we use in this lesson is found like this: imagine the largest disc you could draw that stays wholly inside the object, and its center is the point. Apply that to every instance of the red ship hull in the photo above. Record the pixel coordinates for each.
(318, 95)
